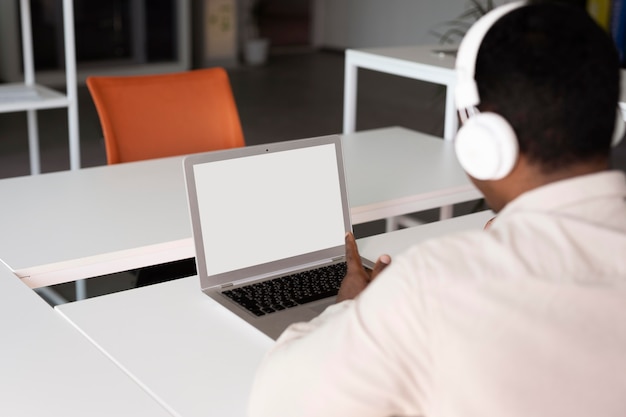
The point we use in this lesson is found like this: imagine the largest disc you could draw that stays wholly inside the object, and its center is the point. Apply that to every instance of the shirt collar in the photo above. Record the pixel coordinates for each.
(568, 192)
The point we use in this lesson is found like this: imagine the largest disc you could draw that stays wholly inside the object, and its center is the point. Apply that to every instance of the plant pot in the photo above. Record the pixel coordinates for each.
(256, 51)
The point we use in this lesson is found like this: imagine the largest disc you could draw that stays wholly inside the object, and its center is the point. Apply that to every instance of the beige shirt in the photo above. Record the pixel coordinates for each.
(526, 319)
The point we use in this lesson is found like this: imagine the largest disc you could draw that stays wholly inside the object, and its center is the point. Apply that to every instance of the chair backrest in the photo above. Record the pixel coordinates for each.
(154, 116)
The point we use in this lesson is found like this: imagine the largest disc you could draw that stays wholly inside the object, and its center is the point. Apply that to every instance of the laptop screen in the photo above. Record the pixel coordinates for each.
(268, 207)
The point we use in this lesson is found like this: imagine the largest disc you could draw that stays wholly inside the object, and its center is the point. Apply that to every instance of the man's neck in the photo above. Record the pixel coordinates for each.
(526, 177)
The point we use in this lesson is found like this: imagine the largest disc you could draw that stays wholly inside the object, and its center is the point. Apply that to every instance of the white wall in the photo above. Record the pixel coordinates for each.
(372, 23)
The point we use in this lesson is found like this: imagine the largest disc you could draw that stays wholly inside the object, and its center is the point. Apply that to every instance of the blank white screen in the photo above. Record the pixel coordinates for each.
(269, 207)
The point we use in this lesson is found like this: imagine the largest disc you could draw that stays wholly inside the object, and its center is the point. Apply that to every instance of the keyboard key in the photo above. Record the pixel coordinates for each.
(289, 291)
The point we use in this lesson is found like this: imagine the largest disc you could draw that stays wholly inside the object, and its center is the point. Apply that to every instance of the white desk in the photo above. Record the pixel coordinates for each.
(47, 368)
(71, 225)
(417, 62)
(396, 171)
(395, 242)
(196, 357)
(191, 353)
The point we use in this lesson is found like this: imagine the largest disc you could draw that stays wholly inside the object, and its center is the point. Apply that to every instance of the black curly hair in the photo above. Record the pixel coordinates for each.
(553, 73)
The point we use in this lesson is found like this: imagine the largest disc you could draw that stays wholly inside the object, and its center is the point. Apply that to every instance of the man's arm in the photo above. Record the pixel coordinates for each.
(356, 358)
(357, 278)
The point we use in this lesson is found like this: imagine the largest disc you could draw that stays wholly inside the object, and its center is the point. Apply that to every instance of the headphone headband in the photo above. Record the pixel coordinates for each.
(485, 145)
(466, 93)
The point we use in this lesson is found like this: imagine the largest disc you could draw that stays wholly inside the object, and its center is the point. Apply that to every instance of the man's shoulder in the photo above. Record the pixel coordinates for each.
(464, 253)
(538, 244)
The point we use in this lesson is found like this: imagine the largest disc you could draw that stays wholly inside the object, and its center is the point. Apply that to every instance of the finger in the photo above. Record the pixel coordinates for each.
(352, 251)
(381, 263)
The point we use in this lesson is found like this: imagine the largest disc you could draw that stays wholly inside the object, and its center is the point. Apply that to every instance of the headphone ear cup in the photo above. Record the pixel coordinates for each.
(486, 147)
(620, 128)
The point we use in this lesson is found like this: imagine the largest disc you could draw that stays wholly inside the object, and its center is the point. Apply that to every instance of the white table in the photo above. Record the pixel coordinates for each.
(417, 62)
(395, 242)
(70, 225)
(47, 368)
(186, 349)
(196, 357)
(396, 171)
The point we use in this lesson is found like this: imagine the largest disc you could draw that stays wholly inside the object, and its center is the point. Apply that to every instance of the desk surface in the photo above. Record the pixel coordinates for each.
(71, 225)
(395, 242)
(396, 171)
(420, 55)
(47, 368)
(84, 223)
(424, 62)
(186, 349)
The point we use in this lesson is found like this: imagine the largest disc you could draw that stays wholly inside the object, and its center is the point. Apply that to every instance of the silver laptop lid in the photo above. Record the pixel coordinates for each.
(261, 209)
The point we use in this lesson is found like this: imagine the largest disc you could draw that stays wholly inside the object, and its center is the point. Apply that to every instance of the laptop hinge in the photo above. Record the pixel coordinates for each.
(285, 271)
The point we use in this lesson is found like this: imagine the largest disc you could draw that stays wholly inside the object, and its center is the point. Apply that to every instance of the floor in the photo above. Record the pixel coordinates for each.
(292, 96)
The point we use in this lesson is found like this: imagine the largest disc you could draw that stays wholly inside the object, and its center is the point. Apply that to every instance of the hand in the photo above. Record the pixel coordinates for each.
(488, 224)
(357, 278)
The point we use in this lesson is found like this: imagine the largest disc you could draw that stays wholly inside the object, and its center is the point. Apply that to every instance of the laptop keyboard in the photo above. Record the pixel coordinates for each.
(290, 290)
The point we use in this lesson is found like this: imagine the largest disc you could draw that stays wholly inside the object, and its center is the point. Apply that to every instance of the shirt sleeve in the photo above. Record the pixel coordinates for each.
(366, 357)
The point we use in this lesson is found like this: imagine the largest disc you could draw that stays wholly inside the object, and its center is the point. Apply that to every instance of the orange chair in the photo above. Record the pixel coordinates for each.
(154, 116)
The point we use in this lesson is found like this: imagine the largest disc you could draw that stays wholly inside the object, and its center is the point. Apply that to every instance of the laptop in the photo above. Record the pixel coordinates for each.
(269, 225)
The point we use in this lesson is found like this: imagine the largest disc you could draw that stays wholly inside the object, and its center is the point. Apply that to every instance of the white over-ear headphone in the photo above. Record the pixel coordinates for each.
(620, 128)
(486, 144)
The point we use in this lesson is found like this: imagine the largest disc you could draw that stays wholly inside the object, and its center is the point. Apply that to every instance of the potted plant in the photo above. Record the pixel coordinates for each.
(455, 29)
(255, 48)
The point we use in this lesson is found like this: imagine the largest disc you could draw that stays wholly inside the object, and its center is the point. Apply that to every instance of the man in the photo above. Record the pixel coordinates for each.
(526, 318)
